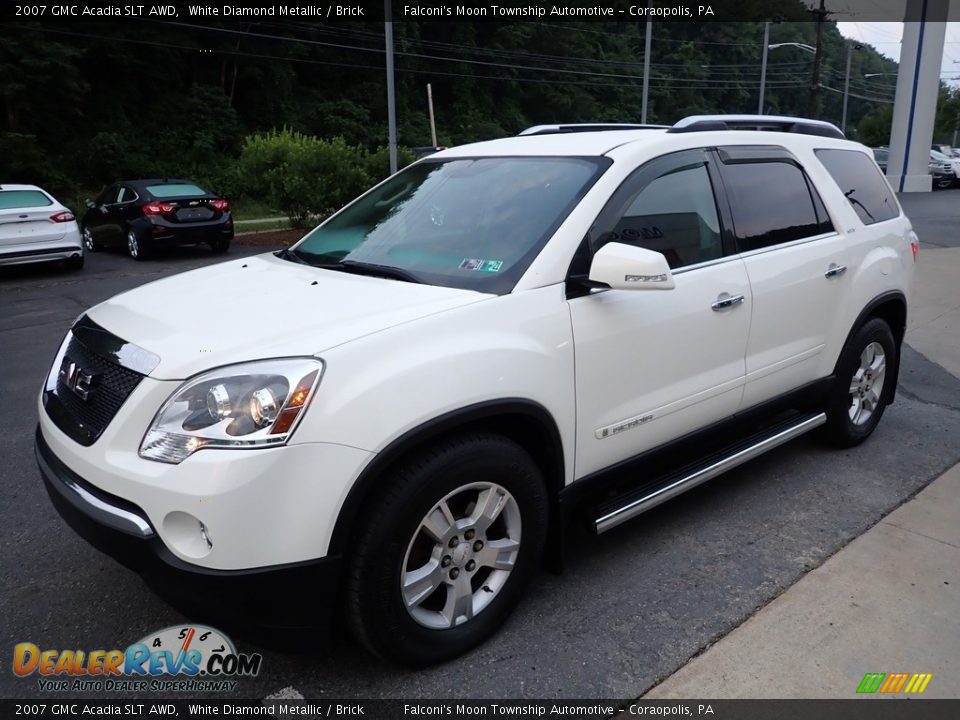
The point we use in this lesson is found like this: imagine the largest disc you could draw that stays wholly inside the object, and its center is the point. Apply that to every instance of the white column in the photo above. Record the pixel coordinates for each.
(915, 105)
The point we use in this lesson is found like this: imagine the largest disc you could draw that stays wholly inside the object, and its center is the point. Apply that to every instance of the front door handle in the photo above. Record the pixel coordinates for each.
(835, 270)
(725, 300)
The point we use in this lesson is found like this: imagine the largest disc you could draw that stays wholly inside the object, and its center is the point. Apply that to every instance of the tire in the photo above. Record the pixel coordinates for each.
(462, 599)
(89, 244)
(865, 377)
(135, 245)
(220, 246)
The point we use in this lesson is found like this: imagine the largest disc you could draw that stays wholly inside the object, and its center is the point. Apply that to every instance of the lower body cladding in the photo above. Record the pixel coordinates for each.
(239, 535)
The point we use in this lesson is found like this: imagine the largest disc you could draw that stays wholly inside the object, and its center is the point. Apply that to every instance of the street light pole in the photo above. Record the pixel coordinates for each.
(763, 65)
(391, 94)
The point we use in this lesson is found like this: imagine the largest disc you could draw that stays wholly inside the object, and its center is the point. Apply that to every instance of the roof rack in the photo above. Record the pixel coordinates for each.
(586, 127)
(775, 123)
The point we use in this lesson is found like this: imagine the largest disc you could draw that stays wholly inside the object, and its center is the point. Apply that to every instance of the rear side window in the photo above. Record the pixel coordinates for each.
(772, 203)
(12, 199)
(862, 184)
(183, 190)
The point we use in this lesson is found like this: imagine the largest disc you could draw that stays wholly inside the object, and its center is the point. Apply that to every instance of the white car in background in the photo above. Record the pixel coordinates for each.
(953, 162)
(35, 227)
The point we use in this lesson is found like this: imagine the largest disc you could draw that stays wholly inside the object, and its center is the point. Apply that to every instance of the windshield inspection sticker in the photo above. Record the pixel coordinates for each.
(479, 265)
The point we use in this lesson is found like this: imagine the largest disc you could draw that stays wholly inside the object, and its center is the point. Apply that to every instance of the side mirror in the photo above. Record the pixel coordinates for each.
(90, 203)
(625, 267)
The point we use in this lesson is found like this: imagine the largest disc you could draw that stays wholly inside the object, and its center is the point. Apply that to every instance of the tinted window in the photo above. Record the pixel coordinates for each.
(10, 199)
(772, 203)
(675, 214)
(169, 190)
(473, 223)
(861, 182)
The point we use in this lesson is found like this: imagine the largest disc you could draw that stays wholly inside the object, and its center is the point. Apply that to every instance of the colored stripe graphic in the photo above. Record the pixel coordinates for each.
(871, 682)
(892, 683)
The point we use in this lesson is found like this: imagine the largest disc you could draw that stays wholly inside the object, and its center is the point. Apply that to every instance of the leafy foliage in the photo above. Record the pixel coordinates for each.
(83, 103)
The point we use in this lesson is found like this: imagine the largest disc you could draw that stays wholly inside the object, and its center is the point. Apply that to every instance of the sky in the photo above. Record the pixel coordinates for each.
(885, 38)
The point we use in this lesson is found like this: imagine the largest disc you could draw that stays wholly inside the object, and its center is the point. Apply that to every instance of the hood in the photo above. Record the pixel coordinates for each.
(262, 307)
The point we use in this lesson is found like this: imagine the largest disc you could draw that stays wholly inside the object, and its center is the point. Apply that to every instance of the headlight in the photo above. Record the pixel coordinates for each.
(252, 405)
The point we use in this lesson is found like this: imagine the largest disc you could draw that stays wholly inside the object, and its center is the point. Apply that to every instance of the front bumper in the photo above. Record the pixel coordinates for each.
(296, 595)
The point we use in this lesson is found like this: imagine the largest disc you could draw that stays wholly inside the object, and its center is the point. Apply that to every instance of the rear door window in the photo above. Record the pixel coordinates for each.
(12, 199)
(861, 183)
(772, 203)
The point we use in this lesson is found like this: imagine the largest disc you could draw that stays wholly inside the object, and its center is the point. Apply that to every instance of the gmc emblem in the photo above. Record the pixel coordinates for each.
(76, 378)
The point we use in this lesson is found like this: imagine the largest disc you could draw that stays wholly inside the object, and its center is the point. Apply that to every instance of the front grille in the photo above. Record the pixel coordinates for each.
(111, 385)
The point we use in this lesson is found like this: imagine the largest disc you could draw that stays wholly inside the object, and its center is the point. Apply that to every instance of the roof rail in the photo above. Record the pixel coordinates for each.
(586, 127)
(776, 123)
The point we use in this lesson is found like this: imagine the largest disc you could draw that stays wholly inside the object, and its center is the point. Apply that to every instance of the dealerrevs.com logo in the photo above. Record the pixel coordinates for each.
(194, 658)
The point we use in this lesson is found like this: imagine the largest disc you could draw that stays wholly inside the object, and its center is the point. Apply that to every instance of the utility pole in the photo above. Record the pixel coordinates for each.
(846, 90)
(821, 15)
(391, 94)
(763, 65)
(646, 72)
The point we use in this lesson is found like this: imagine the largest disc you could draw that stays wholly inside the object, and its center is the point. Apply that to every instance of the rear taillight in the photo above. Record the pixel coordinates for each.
(159, 208)
(220, 205)
(62, 217)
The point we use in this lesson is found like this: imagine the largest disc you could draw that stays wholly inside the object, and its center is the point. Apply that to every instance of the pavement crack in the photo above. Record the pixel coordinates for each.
(913, 396)
(914, 532)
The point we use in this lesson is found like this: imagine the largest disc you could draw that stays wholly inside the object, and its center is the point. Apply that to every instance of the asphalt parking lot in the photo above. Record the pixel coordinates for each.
(631, 607)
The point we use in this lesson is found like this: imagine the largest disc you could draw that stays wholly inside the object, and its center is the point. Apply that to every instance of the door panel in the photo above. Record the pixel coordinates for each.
(793, 303)
(653, 365)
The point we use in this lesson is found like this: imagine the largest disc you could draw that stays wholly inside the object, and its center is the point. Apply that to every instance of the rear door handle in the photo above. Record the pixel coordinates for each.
(725, 300)
(835, 270)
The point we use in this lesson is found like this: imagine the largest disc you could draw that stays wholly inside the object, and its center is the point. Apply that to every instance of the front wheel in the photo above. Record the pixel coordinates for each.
(444, 551)
(863, 384)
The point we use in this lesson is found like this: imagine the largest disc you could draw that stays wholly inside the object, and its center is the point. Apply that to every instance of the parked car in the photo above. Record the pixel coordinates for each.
(35, 227)
(398, 416)
(947, 163)
(882, 156)
(143, 215)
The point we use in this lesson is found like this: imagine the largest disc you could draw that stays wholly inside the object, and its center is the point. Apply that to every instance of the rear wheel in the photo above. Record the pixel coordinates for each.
(443, 553)
(220, 246)
(89, 243)
(864, 381)
(135, 245)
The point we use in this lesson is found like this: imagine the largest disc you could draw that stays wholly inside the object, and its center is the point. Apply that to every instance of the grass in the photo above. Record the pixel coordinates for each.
(251, 208)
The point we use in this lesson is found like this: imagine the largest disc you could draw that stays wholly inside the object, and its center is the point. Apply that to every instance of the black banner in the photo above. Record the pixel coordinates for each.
(860, 709)
(698, 11)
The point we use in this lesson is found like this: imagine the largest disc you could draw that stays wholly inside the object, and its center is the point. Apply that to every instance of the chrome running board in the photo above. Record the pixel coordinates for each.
(628, 506)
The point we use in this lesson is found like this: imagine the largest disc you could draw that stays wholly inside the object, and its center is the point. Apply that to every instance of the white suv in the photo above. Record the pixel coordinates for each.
(398, 417)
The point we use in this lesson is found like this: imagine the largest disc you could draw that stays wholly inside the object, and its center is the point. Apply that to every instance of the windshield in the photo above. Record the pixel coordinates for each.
(471, 223)
(181, 190)
(10, 199)
(938, 155)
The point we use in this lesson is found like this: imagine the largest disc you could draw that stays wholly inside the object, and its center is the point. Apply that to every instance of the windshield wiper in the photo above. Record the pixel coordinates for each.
(365, 268)
(288, 254)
